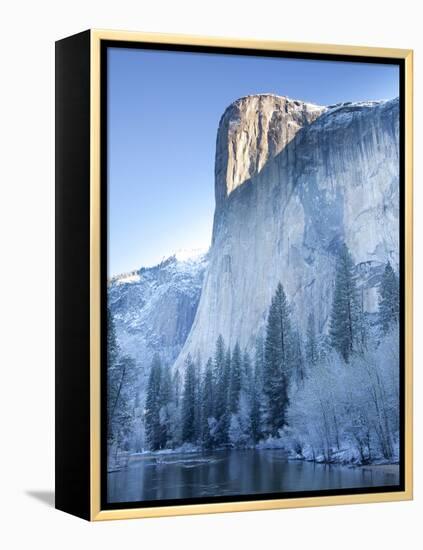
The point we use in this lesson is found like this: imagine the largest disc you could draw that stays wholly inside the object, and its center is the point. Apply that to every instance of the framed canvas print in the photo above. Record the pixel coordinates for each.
(233, 275)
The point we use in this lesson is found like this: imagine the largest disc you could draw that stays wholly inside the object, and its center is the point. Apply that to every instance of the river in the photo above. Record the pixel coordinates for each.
(237, 472)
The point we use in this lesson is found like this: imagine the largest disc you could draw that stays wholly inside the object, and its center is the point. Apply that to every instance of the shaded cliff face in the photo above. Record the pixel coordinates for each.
(293, 181)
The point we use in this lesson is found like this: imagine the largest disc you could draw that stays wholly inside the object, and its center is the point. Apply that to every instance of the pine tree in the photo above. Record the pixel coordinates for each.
(227, 372)
(255, 419)
(235, 379)
(246, 398)
(257, 393)
(362, 323)
(259, 360)
(297, 358)
(176, 388)
(173, 410)
(278, 353)
(219, 372)
(198, 396)
(388, 299)
(344, 329)
(222, 373)
(123, 413)
(311, 341)
(207, 406)
(247, 382)
(189, 403)
(152, 405)
(164, 399)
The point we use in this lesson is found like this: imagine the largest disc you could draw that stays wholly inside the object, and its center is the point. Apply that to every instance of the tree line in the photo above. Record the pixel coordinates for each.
(238, 400)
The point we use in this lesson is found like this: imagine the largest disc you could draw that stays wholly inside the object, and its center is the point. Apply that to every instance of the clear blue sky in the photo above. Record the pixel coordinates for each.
(163, 112)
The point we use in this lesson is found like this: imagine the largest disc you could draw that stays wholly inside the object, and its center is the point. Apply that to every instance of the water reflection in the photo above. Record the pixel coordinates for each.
(234, 473)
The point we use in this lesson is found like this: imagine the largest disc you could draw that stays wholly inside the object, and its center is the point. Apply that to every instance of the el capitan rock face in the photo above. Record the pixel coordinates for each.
(293, 181)
(253, 130)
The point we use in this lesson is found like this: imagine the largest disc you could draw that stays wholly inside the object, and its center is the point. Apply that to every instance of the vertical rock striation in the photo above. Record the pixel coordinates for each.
(292, 182)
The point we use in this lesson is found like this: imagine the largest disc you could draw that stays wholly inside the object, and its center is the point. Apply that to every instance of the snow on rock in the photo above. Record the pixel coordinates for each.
(153, 308)
(127, 278)
(190, 255)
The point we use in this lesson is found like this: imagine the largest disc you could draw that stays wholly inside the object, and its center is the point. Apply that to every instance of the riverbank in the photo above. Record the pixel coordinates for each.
(186, 453)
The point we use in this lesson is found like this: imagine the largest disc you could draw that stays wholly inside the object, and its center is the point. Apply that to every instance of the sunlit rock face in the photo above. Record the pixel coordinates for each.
(292, 182)
(253, 130)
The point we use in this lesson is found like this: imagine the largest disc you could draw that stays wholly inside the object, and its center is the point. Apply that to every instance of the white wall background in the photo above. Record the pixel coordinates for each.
(29, 29)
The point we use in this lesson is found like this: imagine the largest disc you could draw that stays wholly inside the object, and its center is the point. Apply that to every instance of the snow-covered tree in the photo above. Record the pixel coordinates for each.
(165, 409)
(257, 398)
(189, 409)
(344, 328)
(176, 388)
(198, 399)
(152, 405)
(247, 374)
(207, 407)
(350, 414)
(363, 332)
(121, 399)
(277, 365)
(388, 299)
(235, 379)
(222, 368)
(122, 413)
(114, 375)
(297, 362)
(311, 341)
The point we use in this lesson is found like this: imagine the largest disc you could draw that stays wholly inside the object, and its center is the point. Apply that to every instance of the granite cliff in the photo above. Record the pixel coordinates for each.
(292, 182)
